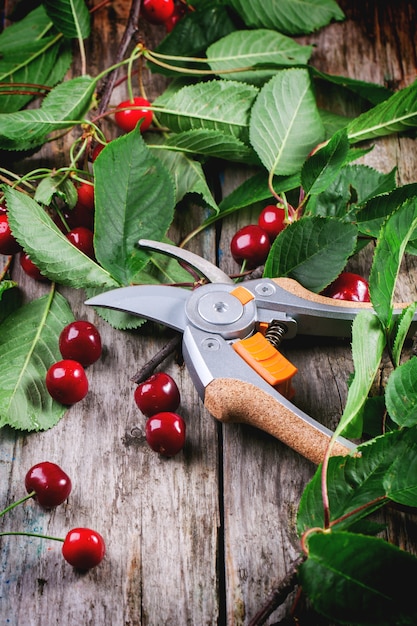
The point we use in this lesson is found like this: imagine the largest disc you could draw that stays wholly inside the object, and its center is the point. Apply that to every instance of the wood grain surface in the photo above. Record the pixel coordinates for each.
(202, 538)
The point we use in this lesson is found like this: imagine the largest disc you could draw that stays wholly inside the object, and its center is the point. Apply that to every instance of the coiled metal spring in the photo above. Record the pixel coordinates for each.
(275, 333)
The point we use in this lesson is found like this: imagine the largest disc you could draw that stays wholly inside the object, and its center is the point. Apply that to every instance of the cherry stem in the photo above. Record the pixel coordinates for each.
(28, 534)
(14, 504)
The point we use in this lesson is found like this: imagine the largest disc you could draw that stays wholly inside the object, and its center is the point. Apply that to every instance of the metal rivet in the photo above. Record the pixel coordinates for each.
(265, 289)
(211, 343)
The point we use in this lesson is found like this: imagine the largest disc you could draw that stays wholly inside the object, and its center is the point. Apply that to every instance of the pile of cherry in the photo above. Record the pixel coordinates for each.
(158, 397)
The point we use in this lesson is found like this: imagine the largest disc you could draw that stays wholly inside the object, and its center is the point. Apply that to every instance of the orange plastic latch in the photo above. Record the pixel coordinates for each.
(268, 362)
(242, 294)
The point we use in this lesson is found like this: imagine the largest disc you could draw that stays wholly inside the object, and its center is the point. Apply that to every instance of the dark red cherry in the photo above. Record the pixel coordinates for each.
(348, 286)
(165, 433)
(50, 483)
(251, 244)
(80, 341)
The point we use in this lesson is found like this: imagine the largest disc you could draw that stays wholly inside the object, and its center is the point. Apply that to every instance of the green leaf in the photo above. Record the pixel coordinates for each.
(63, 107)
(187, 174)
(10, 298)
(56, 184)
(353, 186)
(71, 17)
(222, 105)
(313, 251)
(33, 26)
(402, 329)
(372, 92)
(193, 34)
(320, 170)
(388, 255)
(211, 143)
(134, 198)
(285, 124)
(373, 214)
(292, 17)
(368, 343)
(28, 347)
(401, 394)
(48, 247)
(357, 579)
(249, 48)
(358, 485)
(397, 114)
(29, 63)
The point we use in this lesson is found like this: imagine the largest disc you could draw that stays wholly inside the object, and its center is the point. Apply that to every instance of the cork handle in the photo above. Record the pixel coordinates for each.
(232, 400)
(291, 285)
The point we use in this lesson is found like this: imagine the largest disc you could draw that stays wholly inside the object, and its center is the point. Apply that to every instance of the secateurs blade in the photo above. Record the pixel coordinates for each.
(231, 335)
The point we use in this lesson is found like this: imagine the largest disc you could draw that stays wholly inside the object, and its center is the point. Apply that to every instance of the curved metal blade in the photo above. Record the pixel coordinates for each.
(210, 271)
(159, 303)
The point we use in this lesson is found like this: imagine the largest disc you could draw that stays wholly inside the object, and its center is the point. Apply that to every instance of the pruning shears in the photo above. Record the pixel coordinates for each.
(231, 333)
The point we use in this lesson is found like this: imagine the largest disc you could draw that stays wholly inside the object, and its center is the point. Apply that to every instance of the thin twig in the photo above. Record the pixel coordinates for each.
(105, 92)
(149, 367)
(279, 595)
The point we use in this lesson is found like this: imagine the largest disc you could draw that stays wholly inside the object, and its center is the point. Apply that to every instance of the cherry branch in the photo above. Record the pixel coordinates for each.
(104, 93)
(279, 594)
(149, 367)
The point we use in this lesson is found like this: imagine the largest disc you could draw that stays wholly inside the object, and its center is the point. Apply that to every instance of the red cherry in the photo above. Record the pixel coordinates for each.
(66, 381)
(96, 151)
(179, 12)
(157, 11)
(83, 239)
(50, 483)
(158, 393)
(251, 244)
(85, 196)
(128, 118)
(30, 268)
(348, 286)
(271, 219)
(165, 433)
(83, 548)
(3, 208)
(8, 244)
(80, 341)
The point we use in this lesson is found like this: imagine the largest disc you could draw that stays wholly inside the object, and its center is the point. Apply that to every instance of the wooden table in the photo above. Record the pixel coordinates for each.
(202, 538)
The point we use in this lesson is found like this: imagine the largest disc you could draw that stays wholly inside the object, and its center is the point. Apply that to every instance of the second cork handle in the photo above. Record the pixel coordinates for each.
(231, 400)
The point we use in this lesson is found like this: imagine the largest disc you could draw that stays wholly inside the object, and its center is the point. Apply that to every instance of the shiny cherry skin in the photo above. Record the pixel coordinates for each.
(30, 268)
(3, 208)
(50, 483)
(96, 151)
(348, 286)
(157, 11)
(158, 393)
(83, 239)
(165, 433)
(85, 196)
(271, 219)
(66, 381)
(8, 244)
(80, 341)
(128, 118)
(83, 548)
(251, 244)
(179, 11)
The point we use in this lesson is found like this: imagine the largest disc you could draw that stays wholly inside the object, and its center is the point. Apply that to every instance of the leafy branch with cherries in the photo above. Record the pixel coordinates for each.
(241, 90)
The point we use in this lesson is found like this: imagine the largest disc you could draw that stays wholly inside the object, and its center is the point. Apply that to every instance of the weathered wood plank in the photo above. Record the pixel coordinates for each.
(204, 537)
(263, 481)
